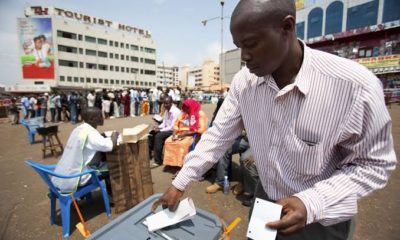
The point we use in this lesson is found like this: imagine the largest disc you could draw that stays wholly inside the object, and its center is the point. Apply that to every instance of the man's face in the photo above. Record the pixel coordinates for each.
(38, 44)
(263, 47)
(168, 104)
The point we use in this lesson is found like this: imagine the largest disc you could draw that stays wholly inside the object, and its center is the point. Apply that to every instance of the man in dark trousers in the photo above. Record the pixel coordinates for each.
(320, 132)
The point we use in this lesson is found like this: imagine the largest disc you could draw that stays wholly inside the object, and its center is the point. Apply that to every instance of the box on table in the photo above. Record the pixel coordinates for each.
(130, 225)
(133, 135)
(130, 174)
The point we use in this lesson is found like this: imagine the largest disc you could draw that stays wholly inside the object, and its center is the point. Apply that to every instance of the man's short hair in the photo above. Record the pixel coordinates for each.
(89, 113)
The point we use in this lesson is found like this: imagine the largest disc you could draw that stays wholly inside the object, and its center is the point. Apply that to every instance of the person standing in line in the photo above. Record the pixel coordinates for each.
(73, 107)
(33, 106)
(329, 132)
(91, 98)
(44, 106)
(52, 107)
(25, 106)
(13, 108)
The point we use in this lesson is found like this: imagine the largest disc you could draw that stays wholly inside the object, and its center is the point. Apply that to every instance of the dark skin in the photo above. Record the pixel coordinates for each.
(265, 32)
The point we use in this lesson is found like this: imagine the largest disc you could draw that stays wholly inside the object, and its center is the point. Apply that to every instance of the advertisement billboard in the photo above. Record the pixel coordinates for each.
(36, 43)
(299, 4)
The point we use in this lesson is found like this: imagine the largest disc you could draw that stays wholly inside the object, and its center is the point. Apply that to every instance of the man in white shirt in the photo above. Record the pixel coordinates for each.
(317, 125)
(91, 98)
(80, 152)
(161, 132)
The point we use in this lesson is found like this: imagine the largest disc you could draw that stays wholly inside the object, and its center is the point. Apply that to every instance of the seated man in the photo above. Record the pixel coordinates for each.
(80, 152)
(248, 171)
(160, 133)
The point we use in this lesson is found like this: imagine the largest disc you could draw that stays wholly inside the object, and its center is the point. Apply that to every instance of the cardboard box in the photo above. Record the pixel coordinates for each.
(133, 135)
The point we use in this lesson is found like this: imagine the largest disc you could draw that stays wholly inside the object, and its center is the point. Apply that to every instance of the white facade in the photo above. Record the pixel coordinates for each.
(206, 77)
(88, 55)
(167, 76)
(231, 64)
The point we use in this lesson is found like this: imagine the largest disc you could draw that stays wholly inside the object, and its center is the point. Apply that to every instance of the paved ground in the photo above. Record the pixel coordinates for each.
(24, 206)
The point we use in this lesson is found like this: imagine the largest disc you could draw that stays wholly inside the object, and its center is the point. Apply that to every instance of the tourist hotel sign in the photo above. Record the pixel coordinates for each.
(45, 11)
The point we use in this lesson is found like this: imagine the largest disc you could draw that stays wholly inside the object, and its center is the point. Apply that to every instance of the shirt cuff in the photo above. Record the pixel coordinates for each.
(313, 203)
(181, 182)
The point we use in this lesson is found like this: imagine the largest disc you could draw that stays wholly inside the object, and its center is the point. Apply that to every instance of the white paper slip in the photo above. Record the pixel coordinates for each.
(263, 213)
(165, 218)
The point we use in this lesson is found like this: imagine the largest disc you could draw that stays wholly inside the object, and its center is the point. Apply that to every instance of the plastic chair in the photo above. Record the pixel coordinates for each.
(46, 171)
(31, 125)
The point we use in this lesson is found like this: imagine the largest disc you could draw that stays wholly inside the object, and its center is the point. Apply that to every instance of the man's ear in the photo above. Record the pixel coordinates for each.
(288, 25)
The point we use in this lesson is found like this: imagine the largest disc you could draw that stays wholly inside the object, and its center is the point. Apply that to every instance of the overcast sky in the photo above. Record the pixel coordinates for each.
(175, 26)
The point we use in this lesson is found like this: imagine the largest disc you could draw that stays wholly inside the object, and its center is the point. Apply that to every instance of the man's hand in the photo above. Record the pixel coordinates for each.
(170, 198)
(174, 137)
(114, 138)
(249, 161)
(294, 216)
(156, 129)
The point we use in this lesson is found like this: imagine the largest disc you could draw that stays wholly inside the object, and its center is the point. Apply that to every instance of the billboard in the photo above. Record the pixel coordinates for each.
(36, 43)
(299, 4)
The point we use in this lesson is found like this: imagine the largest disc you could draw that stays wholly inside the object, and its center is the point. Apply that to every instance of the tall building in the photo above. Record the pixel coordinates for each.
(367, 31)
(167, 76)
(205, 77)
(67, 49)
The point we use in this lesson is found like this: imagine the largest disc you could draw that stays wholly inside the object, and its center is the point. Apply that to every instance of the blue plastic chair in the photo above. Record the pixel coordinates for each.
(31, 125)
(46, 171)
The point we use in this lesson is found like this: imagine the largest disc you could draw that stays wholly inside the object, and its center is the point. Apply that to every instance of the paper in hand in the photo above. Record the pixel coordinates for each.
(263, 213)
(165, 218)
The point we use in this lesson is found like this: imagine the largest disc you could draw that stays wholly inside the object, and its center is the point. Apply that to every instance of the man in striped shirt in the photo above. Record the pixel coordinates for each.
(320, 133)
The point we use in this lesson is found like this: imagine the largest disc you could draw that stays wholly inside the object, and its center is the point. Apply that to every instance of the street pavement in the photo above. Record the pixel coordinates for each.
(25, 207)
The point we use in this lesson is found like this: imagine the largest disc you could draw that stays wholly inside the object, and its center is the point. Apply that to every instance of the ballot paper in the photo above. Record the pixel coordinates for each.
(263, 213)
(157, 118)
(167, 218)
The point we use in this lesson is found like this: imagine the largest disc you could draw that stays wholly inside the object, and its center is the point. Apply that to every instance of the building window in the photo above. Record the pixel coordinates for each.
(123, 82)
(391, 10)
(127, 57)
(69, 79)
(149, 50)
(111, 81)
(62, 79)
(66, 34)
(137, 83)
(134, 47)
(80, 37)
(134, 70)
(94, 80)
(121, 45)
(102, 54)
(90, 39)
(102, 41)
(141, 60)
(66, 63)
(111, 68)
(122, 57)
(106, 81)
(150, 61)
(126, 46)
(149, 72)
(88, 80)
(76, 79)
(362, 15)
(116, 56)
(80, 51)
(117, 82)
(63, 48)
(116, 68)
(122, 69)
(90, 52)
(315, 23)
(100, 80)
(102, 67)
(111, 55)
(82, 79)
(334, 18)
(115, 44)
(80, 64)
(91, 66)
(111, 43)
(134, 59)
(300, 30)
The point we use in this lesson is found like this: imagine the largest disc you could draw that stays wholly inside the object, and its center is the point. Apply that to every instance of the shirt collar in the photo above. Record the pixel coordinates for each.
(301, 79)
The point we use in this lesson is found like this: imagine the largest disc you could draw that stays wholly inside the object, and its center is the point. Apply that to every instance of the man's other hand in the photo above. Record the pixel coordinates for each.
(114, 138)
(170, 198)
(294, 216)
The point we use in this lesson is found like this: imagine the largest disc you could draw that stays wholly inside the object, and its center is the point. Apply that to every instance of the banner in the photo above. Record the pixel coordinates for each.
(36, 43)
(380, 62)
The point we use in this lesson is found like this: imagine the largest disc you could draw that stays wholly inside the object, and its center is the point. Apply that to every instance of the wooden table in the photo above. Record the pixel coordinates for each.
(130, 174)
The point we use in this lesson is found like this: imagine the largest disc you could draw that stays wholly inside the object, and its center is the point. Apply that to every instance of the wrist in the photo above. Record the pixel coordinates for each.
(313, 203)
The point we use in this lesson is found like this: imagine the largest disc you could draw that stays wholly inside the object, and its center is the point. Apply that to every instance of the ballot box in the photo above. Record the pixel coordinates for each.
(130, 225)
(130, 175)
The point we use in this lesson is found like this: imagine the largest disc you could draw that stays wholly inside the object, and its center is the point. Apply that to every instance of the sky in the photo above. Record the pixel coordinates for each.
(175, 26)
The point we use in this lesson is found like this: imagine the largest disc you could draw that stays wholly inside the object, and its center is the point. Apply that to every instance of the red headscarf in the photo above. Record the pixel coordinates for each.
(194, 109)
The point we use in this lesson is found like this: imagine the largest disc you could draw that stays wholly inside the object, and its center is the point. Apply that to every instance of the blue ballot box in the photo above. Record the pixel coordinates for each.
(129, 225)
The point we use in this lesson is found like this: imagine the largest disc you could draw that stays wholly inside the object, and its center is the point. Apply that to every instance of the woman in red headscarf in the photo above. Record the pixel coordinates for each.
(191, 121)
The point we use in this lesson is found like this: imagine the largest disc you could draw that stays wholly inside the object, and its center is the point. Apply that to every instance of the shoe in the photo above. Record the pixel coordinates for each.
(238, 189)
(247, 202)
(154, 165)
(214, 188)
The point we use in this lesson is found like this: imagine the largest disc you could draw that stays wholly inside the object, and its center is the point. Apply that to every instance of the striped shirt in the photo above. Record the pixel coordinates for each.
(325, 138)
